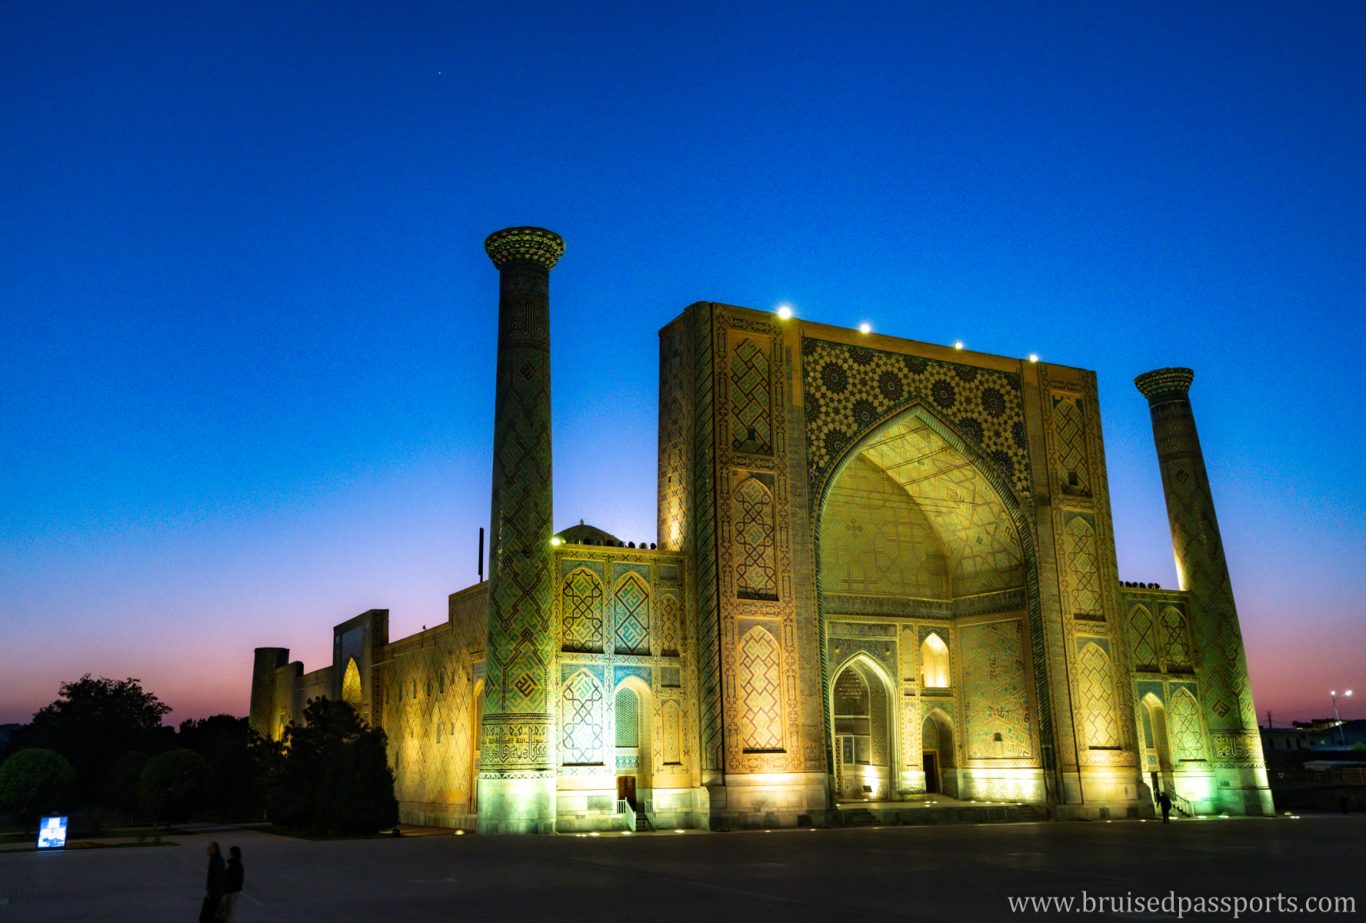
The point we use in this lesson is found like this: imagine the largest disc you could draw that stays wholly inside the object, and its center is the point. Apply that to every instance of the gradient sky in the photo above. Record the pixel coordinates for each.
(248, 326)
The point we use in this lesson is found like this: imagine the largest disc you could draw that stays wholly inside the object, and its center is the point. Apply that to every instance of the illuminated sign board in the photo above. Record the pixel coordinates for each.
(52, 833)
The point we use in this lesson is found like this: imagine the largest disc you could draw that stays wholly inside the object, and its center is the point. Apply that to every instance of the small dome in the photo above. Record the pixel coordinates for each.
(587, 535)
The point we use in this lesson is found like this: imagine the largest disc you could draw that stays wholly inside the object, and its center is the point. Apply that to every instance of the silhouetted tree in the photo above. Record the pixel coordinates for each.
(235, 762)
(92, 722)
(173, 785)
(357, 795)
(34, 783)
(333, 774)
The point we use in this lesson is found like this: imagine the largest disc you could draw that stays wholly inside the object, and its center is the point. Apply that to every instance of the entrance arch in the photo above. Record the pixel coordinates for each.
(937, 754)
(1157, 741)
(863, 707)
(632, 710)
(915, 524)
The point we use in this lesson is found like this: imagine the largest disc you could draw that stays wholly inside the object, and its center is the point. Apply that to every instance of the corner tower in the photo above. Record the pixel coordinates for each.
(516, 772)
(1202, 571)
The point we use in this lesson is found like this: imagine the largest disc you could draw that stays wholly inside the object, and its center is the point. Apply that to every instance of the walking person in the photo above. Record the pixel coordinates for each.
(232, 885)
(213, 890)
(1165, 801)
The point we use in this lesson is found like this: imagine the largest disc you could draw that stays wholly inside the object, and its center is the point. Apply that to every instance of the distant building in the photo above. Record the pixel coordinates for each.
(884, 569)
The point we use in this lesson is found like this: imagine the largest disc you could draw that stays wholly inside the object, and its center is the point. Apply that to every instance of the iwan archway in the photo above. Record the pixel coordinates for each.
(925, 570)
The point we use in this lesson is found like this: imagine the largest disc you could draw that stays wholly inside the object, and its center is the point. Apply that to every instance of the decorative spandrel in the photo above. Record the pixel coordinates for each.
(849, 389)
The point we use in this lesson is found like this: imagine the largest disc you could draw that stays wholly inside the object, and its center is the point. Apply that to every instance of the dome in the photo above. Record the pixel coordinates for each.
(587, 535)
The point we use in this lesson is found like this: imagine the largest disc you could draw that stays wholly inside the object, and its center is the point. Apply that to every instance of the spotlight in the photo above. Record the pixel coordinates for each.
(784, 312)
(865, 327)
(958, 344)
(1033, 357)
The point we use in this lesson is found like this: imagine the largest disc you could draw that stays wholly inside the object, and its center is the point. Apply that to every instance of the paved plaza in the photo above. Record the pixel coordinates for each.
(922, 873)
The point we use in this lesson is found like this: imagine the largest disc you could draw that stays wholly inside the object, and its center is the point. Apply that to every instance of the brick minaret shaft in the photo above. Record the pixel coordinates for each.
(516, 777)
(1202, 571)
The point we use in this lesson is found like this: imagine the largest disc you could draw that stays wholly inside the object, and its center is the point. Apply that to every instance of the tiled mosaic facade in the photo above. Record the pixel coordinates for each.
(885, 569)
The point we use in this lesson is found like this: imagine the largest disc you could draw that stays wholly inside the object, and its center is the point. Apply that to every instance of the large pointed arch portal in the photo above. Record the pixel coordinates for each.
(921, 539)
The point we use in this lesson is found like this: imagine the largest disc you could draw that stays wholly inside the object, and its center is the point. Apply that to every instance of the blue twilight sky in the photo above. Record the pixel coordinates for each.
(248, 325)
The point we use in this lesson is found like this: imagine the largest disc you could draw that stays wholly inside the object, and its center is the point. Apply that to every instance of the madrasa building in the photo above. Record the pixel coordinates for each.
(884, 582)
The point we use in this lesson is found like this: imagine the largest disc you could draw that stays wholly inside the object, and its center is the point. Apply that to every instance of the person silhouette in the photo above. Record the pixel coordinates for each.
(1165, 801)
(213, 890)
(232, 885)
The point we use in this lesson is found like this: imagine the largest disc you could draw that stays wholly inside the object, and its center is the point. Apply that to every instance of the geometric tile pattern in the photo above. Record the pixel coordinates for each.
(670, 624)
(705, 529)
(954, 531)
(1069, 450)
(521, 638)
(760, 678)
(750, 403)
(675, 388)
(848, 388)
(581, 608)
(581, 720)
(1083, 566)
(626, 707)
(1145, 648)
(1100, 722)
(1188, 738)
(875, 540)
(755, 571)
(632, 605)
(995, 697)
(429, 708)
(1175, 650)
(671, 728)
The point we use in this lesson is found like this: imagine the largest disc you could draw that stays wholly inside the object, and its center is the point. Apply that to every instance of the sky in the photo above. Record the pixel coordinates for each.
(248, 326)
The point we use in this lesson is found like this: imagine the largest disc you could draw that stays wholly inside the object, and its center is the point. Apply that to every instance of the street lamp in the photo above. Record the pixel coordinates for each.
(1342, 735)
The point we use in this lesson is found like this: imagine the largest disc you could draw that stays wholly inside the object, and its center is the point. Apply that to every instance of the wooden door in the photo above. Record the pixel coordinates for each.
(626, 789)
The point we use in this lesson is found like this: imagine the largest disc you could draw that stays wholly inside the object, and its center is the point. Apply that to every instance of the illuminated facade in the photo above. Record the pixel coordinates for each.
(885, 572)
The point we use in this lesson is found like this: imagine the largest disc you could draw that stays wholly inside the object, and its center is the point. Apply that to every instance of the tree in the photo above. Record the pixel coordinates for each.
(236, 761)
(363, 795)
(333, 774)
(173, 785)
(34, 783)
(93, 721)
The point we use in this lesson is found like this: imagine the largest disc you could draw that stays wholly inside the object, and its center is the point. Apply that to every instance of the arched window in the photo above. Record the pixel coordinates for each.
(853, 713)
(934, 662)
(627, 707)
(350, 691)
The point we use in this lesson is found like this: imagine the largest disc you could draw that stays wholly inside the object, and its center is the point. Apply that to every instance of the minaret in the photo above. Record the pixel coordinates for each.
(517, 769)
(1221, 666)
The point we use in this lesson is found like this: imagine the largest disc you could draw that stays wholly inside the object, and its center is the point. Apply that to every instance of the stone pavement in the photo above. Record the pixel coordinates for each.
(919, 873)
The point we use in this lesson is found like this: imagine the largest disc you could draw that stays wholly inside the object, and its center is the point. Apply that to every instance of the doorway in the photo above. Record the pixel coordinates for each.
(931, 762)
(626, 791)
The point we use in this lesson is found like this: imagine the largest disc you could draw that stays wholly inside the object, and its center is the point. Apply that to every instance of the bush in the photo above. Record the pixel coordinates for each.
(121, 785)
(173, 785)
(34, 783)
